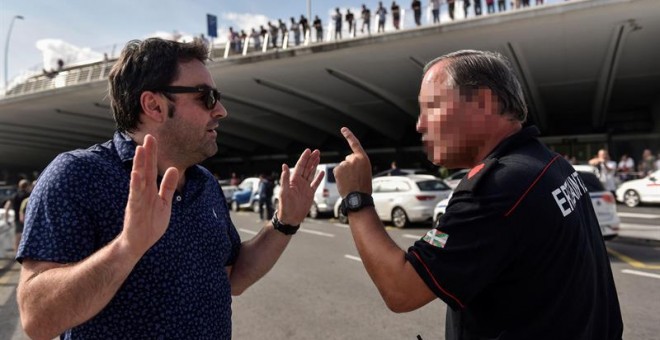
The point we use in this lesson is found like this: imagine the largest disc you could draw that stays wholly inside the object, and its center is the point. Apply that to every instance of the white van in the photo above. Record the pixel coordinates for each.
(325, 196)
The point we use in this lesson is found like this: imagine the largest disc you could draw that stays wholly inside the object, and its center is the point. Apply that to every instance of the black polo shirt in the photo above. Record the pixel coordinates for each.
(518, 253)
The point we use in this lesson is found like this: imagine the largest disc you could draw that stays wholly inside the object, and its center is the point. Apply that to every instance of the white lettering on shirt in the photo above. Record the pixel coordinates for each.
(567, 194)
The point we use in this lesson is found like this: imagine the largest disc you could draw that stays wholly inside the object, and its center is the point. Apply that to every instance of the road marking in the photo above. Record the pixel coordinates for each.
(354, 258)
(414, 237)
(248, 231)
(341, 225)
(629, 260)
(636, 272)
(630, 226)
(314, 232)
(638, 215)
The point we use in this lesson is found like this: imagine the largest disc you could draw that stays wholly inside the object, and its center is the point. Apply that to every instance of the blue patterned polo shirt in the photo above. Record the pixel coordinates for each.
(179, 289)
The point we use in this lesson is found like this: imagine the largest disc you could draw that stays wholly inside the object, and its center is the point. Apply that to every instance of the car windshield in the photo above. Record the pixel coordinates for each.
(330, 176)
(592, 182)
(432, 185)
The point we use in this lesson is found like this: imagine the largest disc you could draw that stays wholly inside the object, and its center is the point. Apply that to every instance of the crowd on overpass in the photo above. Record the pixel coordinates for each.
(281, 34)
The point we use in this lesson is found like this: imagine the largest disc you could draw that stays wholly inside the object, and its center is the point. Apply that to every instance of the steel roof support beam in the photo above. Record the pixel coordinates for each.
(535, 106)
(253, 133)
(377, 92)
(379, 125)
(298, 128)
(607, 76)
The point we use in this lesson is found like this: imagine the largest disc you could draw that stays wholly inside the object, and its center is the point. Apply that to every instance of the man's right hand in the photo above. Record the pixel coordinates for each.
(148, 210)
(354, 173)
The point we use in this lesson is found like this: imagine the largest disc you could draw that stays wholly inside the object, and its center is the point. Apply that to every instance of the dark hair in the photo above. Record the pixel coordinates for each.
(469, 70)
(142, 66)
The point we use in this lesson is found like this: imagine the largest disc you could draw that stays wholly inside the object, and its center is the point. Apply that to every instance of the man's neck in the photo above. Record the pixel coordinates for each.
(163, 161)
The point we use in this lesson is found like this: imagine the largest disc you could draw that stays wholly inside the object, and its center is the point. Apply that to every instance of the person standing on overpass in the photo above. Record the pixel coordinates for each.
(518, 253)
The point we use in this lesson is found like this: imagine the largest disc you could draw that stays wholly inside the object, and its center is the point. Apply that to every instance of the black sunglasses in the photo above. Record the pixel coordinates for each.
(210, 96)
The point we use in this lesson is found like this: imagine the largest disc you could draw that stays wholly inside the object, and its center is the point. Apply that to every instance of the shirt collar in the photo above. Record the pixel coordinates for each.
(125, 147)
(519, 138)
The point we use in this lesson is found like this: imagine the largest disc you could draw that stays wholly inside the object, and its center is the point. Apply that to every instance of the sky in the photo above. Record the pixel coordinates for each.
(83, 30)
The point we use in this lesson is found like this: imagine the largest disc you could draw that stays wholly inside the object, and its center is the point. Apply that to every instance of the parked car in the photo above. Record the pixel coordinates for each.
(644, 190)
(326, 194)
(402, 172)
(228, 190)
(440, 208)
(455, 178)
(601, 199)
(404, 199)
(247, 195)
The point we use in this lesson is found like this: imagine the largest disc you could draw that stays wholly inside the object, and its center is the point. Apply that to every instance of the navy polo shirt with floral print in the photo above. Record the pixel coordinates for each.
(179, 289)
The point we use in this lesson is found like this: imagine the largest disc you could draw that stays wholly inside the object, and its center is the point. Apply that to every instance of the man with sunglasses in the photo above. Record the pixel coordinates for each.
(133, 239)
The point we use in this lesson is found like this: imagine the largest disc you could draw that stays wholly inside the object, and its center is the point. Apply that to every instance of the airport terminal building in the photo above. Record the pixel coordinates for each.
(589, 69)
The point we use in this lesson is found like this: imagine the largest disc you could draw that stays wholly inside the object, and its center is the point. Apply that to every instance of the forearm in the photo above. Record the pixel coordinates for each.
(397, 281)
(54, 300)
(381, 257)
(257, 257)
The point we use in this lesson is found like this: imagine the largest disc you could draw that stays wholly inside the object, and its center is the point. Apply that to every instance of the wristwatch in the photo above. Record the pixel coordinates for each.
(285, 229)
(355, 201)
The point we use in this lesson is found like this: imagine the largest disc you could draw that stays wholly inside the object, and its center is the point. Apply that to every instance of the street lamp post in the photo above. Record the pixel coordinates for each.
(11, 24)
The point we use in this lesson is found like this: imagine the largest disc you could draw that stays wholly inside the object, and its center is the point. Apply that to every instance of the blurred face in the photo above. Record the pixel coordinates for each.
(190, 127)
(454, 127)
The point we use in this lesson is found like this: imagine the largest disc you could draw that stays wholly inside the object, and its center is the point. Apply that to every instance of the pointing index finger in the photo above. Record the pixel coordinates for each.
(353, 142)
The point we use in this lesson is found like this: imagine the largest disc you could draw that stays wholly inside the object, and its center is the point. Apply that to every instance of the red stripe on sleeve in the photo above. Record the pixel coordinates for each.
(436, 282)
(531, 186)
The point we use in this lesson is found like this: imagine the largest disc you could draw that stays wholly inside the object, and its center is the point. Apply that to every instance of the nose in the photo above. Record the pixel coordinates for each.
(219, 111)
(421, 124)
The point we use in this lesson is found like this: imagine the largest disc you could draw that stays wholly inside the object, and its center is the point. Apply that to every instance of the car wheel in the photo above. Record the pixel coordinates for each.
(341, 217)
(313, 211)
(399, 218)
(255, 206)
(234, 206)
(631, 198)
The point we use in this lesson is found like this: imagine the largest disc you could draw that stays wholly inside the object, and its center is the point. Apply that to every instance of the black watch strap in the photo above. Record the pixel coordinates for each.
(285, 229)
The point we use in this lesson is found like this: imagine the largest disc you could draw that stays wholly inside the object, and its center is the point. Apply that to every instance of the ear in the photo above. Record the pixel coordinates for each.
(154, 105)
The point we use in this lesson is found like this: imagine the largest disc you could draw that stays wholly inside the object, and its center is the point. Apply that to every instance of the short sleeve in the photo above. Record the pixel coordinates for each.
(58, 223)
(470, 247)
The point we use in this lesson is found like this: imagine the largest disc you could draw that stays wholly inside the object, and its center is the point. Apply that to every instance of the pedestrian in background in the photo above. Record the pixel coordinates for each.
(381, 12)
(110, 253)
(417, 11)
(396, 15)
(497, 259)
(366, 19)
(319, 28)
(337, 18)
(350, 19)
(435, 10)
(14, 203)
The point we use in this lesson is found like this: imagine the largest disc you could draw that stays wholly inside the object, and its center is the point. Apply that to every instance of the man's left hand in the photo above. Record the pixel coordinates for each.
(298, 188)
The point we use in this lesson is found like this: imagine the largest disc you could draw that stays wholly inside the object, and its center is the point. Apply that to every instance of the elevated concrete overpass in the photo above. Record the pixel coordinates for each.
(590, 71)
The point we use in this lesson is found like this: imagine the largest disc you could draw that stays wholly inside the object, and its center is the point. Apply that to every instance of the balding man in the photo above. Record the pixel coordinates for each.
(518, 253)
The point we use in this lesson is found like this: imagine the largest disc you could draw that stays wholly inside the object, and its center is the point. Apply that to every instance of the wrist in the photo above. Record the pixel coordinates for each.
(286, 229)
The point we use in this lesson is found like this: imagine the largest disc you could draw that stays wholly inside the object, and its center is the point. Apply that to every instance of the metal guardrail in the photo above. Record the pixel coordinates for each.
(99, 70)
(66, 77)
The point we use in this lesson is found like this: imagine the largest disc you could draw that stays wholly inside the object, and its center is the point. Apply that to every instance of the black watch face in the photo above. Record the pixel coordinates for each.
(353, 201)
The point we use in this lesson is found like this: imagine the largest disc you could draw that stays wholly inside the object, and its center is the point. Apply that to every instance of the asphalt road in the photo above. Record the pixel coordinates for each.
(320, 290)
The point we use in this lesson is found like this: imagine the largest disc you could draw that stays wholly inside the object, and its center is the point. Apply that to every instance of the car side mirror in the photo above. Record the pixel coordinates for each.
(652, 179)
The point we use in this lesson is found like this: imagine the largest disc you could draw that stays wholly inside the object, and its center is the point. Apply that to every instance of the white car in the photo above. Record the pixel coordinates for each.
(645, 190)
(405, 199)
(440, 209)
(326, 195)
(455, 178)
(601, 199)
